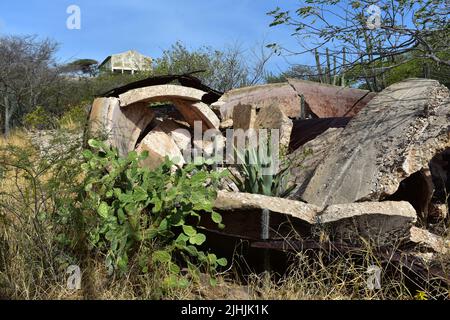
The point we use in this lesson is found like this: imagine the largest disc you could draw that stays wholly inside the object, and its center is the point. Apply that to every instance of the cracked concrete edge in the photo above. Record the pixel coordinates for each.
(312, 214)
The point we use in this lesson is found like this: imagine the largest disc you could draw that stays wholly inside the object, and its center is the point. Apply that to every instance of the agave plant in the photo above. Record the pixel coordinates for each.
(255, 173)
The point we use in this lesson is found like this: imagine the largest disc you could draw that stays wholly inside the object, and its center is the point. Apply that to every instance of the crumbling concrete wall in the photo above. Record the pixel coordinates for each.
(366, 177)
(319, 100)
(395, 136)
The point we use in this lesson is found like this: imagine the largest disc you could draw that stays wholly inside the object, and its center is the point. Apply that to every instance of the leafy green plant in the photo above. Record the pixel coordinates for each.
(254, 176)
(136, 207)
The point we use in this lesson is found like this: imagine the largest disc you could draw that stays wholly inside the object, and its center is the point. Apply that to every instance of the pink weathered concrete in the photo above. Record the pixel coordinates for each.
(122, 126)
(280, 94)
(159, 146)
(327, 101)
(323, 101)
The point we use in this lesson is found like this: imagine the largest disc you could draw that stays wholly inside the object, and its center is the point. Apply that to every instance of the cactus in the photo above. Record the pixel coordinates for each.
(330, 76)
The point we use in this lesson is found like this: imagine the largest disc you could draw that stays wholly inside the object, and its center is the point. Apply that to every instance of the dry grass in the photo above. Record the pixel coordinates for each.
(343, 279)
(17, 138)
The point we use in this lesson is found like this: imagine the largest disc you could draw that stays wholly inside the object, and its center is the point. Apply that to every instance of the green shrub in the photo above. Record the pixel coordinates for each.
(38, 119)
(76, 115)
(136, 207)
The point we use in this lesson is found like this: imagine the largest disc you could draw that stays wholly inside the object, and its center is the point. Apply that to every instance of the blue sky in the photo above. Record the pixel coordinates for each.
(148, 26)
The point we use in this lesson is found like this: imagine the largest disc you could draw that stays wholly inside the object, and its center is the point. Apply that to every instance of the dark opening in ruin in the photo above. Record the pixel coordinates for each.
(427, 190)
(439, 167)
(416, 190)
(162, 110)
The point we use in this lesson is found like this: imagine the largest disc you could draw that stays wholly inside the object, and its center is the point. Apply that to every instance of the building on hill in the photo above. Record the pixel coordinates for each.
(126, 62)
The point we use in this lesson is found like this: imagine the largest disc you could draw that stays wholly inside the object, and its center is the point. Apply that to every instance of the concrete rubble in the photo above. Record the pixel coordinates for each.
(244, 117)
(179, 133)
(323, 101)
(429, 241)
(393, 138)
(381, 223)
(160, 93)
(384, 223)
(273, 117)
(123, 126)
(327, 101)
(367, 167)
(260, 96)
(124, 119)
(159, 145)
(306, 158)
(235, 201)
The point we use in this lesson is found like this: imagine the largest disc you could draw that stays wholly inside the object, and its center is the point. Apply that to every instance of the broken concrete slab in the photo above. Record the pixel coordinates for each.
(227, 124)
(320, 100)
(395, 136)
(261, 96)
(159, 146)
(429, 240)
(210, 119)
(98, 118)
(244, 116)
(123, 127)
(209, 147)
(304, 161)
(272, 117)
(383, 223)
(128, 126)
(304, 131)
(186, 100)
(184, 80)
(197, 112)
(328, 101)
(160, 93)
(180, 134)
(232, 201)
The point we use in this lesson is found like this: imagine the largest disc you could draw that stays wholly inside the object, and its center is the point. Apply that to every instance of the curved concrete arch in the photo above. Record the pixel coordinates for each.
(123, 126)
(165, 92)
(124, 119)
(197, 111)
(186, 100)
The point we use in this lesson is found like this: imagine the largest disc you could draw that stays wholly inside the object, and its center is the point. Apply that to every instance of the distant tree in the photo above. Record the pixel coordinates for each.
(179, 60)
(92, 87)
(296, 72)
(377, 39)
(87, 67)
(220, 69)
(409, 66)
(28, 71)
